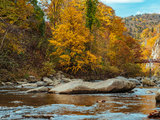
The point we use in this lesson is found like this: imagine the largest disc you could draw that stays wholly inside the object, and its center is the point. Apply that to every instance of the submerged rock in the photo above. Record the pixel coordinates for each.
(154, 115)
(81, 87)
(40, 89)
(16, 102)
(38, 116)
(149, 92)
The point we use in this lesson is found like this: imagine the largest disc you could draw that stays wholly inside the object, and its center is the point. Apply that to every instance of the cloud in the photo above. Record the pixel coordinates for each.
(139, 12)
(122, 1)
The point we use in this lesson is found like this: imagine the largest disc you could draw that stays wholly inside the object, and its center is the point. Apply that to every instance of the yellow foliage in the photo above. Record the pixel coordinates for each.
(71, 39)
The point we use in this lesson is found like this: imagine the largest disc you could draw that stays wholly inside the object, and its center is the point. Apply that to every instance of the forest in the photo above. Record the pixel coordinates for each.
(83, 38)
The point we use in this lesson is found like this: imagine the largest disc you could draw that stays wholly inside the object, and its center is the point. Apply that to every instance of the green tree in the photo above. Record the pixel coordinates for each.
(91, 9)
(39, 16)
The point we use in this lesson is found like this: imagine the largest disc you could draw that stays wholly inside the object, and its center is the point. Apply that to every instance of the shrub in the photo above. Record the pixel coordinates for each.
(47, 69)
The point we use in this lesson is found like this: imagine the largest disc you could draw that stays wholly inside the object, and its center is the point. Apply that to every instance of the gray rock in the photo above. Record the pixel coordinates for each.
(77, 80)
(47, 80)
(32, 79)
(29, 85)
(41, 83)
(16, 102)
(36, 90)
(148, 82)
(149, 92)
(3, 84)
(9, 83)
(134, 81)
(66, 80)
(158, 82)
(20, 83)
(60, 75)
(107, 86)
(158, 85)
(56, 82)
(139, 78)
(121, 77)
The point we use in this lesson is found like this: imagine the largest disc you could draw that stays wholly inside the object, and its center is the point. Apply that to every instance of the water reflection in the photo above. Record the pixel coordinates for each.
(122, 104)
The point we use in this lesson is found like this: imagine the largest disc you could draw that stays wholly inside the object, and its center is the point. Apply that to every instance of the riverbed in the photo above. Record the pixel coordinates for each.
(15, 104)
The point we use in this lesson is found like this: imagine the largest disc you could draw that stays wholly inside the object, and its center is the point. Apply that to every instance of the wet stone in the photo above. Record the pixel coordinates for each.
(38, 116)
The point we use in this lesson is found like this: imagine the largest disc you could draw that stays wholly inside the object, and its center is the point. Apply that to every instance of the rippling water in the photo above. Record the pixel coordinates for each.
(16, 104)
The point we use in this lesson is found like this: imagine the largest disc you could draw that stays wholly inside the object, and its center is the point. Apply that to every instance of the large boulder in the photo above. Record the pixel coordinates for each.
(158, 96)
(81, 87)
(39, 89)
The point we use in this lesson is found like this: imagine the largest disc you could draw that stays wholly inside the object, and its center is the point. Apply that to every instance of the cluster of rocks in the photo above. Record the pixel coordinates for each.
(145, 81)
(79, 86)
(42, 85)
(60, 84)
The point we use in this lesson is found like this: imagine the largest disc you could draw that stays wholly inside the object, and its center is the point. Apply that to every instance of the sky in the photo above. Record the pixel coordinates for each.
(125, 8)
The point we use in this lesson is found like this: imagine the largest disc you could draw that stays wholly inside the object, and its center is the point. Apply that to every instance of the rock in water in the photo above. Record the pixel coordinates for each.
(81, 87)
(29, 85)
(158, 96)
(154, 115)
(41, 83)
(148, 82)
(40, 89)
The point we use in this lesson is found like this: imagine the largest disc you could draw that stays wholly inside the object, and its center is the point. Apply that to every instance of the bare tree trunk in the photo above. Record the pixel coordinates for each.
(1, 46)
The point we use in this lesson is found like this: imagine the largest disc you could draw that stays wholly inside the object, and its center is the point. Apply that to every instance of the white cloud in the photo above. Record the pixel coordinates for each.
(139, 12)
(122, 1)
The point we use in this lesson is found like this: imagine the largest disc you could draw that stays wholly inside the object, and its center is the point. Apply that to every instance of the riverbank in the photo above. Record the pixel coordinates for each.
(44, 84)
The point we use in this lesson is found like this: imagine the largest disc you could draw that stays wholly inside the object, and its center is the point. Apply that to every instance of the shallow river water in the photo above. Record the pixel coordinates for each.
(15, 104)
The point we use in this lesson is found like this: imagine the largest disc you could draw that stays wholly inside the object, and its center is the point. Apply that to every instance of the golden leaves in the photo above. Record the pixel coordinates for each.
(71, 38)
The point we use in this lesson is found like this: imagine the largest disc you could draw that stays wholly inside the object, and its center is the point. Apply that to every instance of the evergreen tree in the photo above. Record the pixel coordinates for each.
(91, 9)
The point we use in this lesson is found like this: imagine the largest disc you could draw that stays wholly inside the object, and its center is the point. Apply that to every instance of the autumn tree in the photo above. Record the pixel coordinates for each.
(21, 34)
(71, 39)
(13, 20)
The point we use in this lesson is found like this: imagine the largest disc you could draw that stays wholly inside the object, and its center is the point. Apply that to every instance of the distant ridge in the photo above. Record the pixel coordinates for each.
(136, 24)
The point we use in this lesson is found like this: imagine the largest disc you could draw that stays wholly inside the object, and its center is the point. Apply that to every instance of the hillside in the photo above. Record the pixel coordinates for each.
(136, 24)
(80, 38)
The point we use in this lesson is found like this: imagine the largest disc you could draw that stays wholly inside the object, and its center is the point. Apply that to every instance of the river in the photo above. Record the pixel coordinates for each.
(15, 104)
